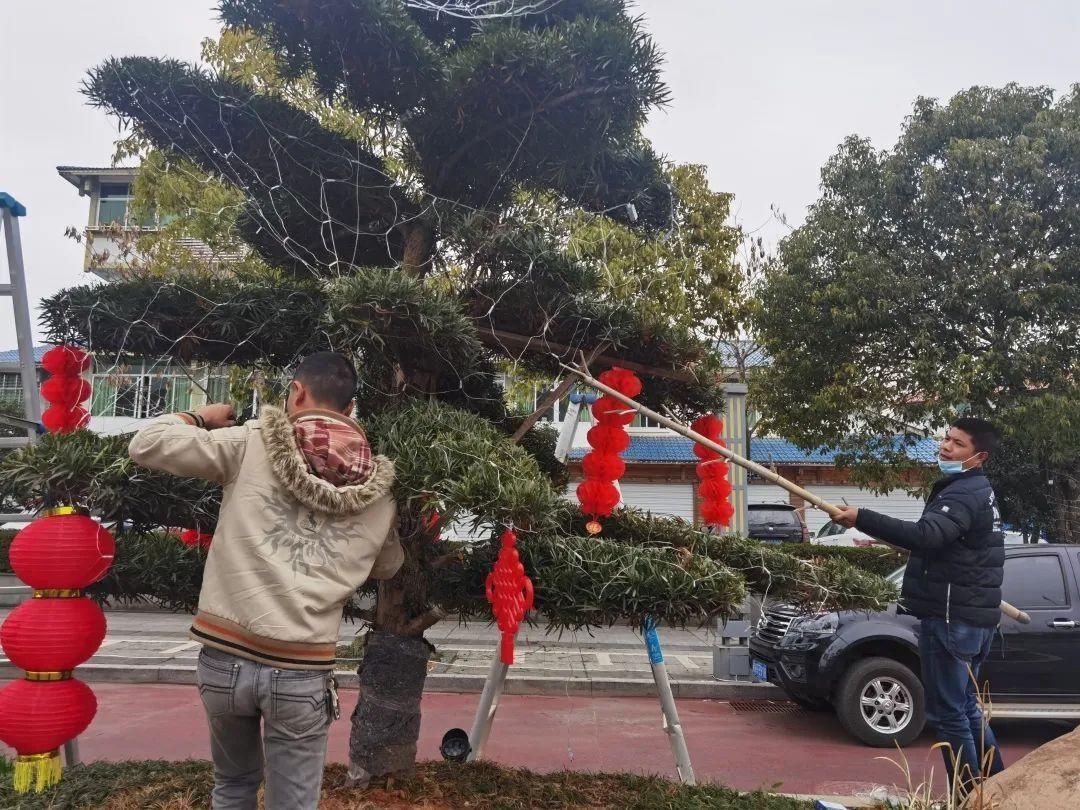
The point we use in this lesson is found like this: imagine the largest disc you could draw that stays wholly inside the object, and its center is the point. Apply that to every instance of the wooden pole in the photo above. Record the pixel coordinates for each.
(832, 510)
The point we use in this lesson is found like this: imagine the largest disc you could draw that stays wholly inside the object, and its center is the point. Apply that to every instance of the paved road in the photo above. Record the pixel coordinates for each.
(154, 647)
(779, 748)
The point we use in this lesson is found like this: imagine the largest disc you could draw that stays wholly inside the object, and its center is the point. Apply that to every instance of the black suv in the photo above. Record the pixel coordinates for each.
(775, 523)
(866, 665)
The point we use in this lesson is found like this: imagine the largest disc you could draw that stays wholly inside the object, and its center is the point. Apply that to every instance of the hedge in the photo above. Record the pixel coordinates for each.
(161, 569)
(881, 560)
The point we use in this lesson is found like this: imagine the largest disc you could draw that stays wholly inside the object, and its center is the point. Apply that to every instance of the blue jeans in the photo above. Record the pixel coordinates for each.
(269, 719)
(952, 653)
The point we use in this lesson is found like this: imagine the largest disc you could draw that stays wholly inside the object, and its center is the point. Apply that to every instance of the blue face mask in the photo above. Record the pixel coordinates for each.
(952, 467)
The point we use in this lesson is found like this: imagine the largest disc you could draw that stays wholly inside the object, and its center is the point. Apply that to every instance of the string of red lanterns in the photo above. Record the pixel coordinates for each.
(57, 555)
(603, 466)
(510, 593)
(65, 390)
(714, 487)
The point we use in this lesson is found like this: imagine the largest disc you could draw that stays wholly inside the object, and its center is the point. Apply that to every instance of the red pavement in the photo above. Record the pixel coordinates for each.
(793, 752)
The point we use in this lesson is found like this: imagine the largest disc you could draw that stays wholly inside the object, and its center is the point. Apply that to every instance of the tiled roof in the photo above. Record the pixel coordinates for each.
(764, 450)
(11, 356)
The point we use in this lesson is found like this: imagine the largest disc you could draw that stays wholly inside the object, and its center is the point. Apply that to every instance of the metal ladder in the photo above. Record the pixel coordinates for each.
(10, 211)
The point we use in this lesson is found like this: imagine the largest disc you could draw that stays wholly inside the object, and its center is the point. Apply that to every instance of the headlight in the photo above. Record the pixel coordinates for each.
(819, 626)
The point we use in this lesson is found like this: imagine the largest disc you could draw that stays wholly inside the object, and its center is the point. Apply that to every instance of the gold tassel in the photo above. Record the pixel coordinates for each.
(37, 772)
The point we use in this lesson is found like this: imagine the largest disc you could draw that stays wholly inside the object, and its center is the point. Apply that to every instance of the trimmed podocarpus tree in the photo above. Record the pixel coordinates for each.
(394, 218)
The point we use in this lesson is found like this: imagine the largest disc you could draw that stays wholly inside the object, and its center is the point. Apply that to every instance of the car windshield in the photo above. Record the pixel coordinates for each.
(772, 516)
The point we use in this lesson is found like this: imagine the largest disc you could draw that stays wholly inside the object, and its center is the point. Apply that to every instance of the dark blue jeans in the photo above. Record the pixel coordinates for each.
(952, 654)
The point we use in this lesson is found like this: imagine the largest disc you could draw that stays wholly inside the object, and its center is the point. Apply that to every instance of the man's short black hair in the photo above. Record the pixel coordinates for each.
(983, 434)
(329, 376)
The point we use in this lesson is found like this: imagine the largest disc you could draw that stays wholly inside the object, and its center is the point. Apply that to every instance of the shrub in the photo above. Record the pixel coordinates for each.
(881, 560)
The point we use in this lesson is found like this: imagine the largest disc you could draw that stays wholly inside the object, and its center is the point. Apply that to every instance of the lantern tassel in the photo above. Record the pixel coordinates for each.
(37, 772)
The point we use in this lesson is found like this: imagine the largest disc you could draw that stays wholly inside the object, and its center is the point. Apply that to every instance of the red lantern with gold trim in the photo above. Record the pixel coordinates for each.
(602, 466)
(44, 635)
(63, 550)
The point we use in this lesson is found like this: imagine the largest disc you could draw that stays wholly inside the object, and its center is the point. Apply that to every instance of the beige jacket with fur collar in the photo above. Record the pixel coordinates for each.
(289, 549)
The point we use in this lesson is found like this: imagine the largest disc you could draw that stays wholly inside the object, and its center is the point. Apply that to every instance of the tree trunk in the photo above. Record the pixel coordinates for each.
(419, 247)
(386, 722)
(1065, 499)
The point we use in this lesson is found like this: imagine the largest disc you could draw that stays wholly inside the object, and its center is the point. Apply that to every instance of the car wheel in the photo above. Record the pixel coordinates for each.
(881, 702)
(811, 705)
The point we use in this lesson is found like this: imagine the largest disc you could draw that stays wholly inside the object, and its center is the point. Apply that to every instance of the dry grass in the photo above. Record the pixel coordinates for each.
(436, 786)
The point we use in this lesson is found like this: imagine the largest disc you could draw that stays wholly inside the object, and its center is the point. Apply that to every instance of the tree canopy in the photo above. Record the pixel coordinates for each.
(938, 276)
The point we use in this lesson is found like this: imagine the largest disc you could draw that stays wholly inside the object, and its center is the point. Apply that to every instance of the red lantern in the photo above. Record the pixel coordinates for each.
(64, 550)
(510, 593)
(50, 635)
(65, 391)
(714, 489)
(598, 498)
(608, 439)
(717, 513)
(609, 411)
(37, 717)
(606, 466)
(625, 382)
(66, 361)
(61, 419)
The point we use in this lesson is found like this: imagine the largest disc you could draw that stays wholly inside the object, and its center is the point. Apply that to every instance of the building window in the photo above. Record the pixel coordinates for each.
(141, 393)
(113, 203)
(10, 388)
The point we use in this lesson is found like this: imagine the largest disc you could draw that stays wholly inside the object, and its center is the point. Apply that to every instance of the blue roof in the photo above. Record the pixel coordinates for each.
(11, 356)
(764, 450)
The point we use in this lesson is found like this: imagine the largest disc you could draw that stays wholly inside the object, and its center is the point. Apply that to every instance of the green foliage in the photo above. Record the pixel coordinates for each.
(934, 277)
(880, 560)
(688, 277)
(156, 568)
(6, 536)
(95, 471)
(460, 465)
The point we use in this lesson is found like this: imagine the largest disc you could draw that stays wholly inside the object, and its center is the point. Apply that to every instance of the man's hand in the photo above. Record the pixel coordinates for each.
(218, 416)
(847, 516)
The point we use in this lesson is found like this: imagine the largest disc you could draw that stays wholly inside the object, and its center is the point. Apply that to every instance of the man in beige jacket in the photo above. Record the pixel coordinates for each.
(306, 518)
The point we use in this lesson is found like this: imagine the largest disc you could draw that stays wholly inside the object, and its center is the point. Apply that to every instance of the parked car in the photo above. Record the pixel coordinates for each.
(775, 523)
(865, 666)
(833, 534)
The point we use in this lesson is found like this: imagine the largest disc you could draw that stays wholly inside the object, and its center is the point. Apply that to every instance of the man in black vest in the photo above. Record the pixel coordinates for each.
(953, 584)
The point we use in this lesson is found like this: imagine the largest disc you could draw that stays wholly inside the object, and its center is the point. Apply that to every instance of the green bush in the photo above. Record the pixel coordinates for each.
(6, 536)
(880, 560)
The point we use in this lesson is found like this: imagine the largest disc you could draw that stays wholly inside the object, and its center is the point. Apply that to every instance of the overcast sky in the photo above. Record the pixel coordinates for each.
(762, 91)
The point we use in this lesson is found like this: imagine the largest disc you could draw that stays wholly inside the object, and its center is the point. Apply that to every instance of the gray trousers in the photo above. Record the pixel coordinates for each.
(293, 708)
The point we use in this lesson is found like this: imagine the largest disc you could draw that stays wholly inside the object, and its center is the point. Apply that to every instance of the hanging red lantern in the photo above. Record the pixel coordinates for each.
(609, 411)
(605, 466)
(714, 489)
(66, 361)
(60, 419)
(602, 467)
(46, 634)
(717, 513)
(622, 380)
(39, 716)
(66, 392)
(63, 550)
(510, 593)
(608, 439)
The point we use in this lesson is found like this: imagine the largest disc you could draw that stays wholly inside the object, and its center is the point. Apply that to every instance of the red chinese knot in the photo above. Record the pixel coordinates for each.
(510, 593)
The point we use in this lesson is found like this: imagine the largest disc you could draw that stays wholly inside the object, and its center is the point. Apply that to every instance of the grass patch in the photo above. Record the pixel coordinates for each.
(437, 786)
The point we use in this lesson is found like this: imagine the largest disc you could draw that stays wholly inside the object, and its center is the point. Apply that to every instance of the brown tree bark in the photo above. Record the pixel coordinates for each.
(419, 250)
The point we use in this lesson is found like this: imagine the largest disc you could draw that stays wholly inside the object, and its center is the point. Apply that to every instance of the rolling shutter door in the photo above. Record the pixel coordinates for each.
(660, 499)
(897, 504)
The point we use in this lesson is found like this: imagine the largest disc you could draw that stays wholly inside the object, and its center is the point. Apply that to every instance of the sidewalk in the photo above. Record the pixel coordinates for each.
(153, 647)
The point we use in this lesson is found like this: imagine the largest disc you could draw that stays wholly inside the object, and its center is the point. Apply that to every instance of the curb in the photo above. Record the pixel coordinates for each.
(453, 682)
